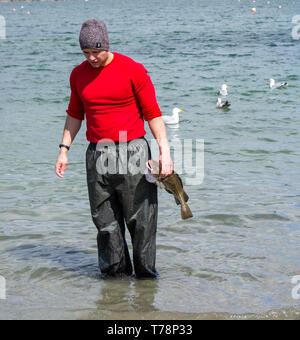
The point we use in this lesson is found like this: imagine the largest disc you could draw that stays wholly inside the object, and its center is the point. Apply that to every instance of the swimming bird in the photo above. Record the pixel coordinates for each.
(222, 105)
(223, 91)
(170, 120)
(274, 85)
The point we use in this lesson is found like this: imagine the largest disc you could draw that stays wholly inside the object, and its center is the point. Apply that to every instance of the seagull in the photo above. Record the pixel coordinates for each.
(223, 91)
(274, 85)
(223, 105)
(170, 120)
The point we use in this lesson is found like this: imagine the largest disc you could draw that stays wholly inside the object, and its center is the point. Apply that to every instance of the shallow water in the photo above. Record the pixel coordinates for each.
(237, 256)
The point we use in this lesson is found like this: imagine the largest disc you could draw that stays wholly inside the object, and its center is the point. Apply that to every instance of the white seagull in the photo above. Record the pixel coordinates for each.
(223, 91)
(274, 85)
(222, 105)
(170, 120)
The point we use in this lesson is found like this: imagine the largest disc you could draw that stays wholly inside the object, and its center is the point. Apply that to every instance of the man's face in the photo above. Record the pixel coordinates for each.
(97, 58)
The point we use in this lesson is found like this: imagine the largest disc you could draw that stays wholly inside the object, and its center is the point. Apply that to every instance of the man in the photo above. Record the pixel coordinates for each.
(115, 95)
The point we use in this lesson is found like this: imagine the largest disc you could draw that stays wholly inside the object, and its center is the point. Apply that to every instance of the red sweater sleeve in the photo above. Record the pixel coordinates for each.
(145, 93)
(76, 108)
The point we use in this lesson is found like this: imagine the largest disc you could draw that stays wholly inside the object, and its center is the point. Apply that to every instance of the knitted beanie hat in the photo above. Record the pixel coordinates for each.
(94, 35)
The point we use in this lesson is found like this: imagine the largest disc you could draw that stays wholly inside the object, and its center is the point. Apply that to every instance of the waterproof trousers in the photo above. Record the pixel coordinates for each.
(120, 196)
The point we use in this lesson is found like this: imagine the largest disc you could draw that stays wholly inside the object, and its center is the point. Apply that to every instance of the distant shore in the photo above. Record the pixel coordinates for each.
(19, 0)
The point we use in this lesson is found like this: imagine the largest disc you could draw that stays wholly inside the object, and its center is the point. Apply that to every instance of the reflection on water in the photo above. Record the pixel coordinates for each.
(173, 126)
(125, 297)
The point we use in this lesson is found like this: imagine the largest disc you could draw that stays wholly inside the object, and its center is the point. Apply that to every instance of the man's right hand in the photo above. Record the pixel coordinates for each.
(61, 164)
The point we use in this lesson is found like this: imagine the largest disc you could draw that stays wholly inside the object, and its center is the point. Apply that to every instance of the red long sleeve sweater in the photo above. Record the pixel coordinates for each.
(114, 98)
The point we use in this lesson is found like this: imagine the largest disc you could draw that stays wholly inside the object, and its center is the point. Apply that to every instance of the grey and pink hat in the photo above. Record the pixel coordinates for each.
(94, 35)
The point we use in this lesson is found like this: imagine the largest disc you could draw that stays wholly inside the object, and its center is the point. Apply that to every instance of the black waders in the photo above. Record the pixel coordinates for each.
(119, 193)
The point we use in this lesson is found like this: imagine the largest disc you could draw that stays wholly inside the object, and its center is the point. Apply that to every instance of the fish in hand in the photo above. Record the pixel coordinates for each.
(172, 184)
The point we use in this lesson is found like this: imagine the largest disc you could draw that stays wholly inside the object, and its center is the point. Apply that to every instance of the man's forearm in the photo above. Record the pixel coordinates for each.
(158, 129)
(71, 129)
(159, 132)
